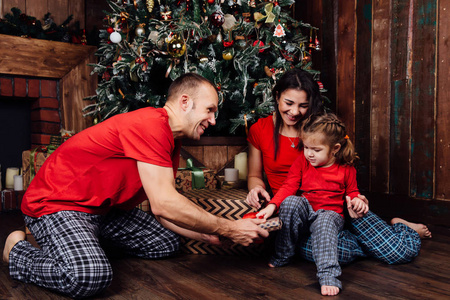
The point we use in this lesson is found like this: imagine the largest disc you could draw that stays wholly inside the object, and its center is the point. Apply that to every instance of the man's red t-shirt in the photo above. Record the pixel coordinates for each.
(261, 137)
(96, 169)
(325, 188)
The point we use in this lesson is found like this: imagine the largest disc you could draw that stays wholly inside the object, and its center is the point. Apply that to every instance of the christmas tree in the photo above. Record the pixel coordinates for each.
(242, 46)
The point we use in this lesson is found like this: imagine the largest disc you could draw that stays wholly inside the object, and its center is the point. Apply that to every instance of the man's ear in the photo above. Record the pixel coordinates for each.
(185, 102)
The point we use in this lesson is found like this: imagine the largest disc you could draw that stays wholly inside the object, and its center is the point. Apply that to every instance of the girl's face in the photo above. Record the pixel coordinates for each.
(292, 105)
(317, 152)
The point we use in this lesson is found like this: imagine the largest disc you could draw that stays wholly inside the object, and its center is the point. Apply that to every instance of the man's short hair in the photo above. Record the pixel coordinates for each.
(187, 83)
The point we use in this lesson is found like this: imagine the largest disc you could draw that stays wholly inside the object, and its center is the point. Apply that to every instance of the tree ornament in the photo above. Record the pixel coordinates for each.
(115, 37)
(211, 1)
(176, 46)
(311, 44)
(140, 30)
(166, 14)
(110, 30)
(317, 46)
(106, 76)
(259, 44)
(150, 5)
(320, 85)
(240, 42)
(203, 59)
(252, 3)
(217, 18)
(229, 23)
(228, 54)
(279, 31)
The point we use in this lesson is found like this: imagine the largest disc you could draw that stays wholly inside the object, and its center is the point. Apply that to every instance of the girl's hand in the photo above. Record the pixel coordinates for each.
(253, 197)
(267, 212)
(357, 207)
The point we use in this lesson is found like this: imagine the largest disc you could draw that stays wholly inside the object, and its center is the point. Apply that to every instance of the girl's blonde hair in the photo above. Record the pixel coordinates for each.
(335, 133)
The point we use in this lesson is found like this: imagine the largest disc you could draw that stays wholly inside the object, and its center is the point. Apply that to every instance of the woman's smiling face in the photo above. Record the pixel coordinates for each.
(292, 105)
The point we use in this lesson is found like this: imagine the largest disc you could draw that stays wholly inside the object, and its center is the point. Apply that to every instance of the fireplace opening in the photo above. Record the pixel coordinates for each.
(15, 131)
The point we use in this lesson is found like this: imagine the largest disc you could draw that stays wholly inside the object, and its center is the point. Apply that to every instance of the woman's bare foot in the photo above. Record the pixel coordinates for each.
(329, 290)
(12, 239)
(421, 229)
(271, 266)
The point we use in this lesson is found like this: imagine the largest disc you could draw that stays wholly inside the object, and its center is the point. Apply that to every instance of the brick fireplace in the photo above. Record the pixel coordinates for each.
(45, 105)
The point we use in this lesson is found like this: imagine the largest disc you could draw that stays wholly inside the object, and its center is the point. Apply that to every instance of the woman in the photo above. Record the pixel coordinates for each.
(273, 147)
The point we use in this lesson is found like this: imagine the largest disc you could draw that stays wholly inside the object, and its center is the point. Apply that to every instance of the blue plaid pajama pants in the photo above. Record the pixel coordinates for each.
(298, 218)
(373, 237)
(70, 259)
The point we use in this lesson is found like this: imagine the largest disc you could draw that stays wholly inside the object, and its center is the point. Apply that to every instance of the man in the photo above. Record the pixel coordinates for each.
(89, 187)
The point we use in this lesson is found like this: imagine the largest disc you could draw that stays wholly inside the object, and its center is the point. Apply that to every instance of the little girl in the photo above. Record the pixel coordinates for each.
(323, 177)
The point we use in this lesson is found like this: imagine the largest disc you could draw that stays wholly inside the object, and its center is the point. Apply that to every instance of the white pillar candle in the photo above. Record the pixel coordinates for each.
(18, 183)
(9, 179)
(231, 174)
(240, 163)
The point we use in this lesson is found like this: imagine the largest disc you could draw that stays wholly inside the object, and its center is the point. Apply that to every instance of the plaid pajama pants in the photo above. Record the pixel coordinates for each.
(298, 218)
(70, 259)
(371, 236)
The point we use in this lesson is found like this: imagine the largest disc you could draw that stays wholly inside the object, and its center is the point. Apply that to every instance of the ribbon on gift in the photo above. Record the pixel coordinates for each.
(270, 16)
(198, 178)
(33, 157)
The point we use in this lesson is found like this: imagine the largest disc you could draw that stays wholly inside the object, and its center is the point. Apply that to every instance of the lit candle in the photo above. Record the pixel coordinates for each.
(18, 183)
(240, 163)
(231, 174)
(9, 179)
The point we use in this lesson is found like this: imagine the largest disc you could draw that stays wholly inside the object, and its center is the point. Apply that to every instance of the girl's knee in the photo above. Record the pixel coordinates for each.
(292, 203)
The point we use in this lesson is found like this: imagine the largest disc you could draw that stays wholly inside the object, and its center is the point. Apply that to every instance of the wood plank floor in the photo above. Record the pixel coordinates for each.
(238, 277)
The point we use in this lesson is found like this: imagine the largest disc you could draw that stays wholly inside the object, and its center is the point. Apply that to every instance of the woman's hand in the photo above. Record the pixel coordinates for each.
(267, 212)
(253, 197)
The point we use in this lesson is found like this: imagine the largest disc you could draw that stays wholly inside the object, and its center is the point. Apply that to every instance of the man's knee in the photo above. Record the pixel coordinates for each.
(89, 281)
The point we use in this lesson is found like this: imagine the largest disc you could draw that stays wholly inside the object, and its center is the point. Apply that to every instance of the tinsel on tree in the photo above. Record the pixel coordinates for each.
(242, 46)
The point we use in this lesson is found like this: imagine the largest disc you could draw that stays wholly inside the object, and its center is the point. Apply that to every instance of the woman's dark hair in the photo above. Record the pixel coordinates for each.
(300, 80)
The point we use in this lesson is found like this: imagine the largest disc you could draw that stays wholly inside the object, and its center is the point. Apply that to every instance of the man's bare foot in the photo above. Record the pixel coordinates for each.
(12, 239)
(421, 229)
(329, 290)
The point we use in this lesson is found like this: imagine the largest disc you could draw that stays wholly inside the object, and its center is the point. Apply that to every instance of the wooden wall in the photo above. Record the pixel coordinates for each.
(59, 9)
(391, 70)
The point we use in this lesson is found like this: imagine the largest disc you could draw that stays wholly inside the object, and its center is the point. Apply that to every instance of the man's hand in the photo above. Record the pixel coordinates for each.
(357, 207)
(246, 231)
(253, 197)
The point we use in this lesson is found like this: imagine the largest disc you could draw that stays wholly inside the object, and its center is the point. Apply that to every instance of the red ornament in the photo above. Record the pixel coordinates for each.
(320, 85)
(259, 44)
(211, 1)
(217, 18)
(110, 30)
(228, 44)
(106, 76)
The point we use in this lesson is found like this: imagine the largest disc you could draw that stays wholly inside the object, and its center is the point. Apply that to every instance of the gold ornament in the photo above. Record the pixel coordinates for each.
(150, 5)
(228, 54)
(176, 46)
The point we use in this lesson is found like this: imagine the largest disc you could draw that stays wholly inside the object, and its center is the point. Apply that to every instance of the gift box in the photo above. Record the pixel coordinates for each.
(229, 204)
(32, 161)
(185, 180)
